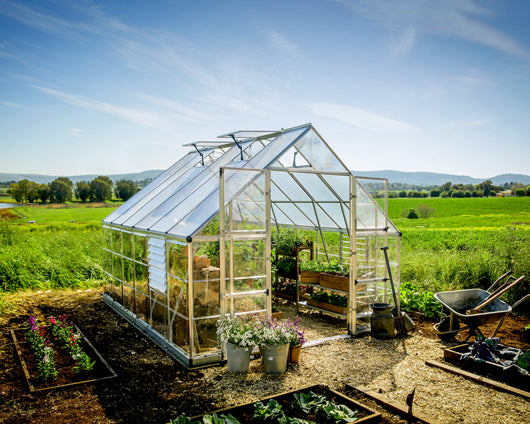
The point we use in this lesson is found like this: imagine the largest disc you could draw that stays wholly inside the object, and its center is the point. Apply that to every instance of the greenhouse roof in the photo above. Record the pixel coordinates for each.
(310, 186)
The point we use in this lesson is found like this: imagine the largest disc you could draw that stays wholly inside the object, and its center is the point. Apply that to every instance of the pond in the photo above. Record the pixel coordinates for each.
(7, 205)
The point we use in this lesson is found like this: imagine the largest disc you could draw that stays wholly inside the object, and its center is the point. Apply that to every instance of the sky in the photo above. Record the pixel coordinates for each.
(110, 87)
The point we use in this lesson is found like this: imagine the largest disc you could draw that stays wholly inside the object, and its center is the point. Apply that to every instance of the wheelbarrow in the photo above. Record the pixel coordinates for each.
(460, 301)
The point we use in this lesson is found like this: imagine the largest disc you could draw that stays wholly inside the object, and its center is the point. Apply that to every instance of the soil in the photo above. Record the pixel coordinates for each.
(152, 388)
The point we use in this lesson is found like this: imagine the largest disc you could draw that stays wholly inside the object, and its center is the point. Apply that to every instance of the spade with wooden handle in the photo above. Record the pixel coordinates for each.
(477, 309)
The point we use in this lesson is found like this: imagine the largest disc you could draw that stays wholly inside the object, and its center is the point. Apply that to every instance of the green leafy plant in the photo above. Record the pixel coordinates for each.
(270, 412)
(286, 267)
(286, 240)
(313, 266)
(423, 301)
(311, 403)
(330, 297)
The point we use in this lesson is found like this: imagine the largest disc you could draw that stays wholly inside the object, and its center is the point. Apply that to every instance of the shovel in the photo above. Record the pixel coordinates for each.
(402, 321)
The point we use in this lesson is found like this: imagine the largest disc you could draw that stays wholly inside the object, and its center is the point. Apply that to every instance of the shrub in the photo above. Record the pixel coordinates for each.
(435, 193)
(410, 214)
(520, 192)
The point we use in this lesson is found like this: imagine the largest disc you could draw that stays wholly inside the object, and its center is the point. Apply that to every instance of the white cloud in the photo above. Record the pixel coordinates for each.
(400, 46)
(476, 122)
(457, 19)
(141, 117)
(360, 118)
(76, 132)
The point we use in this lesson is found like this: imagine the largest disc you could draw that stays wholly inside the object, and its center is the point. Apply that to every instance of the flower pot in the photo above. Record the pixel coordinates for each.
(275, 358)
(294, 354)
(238, 358)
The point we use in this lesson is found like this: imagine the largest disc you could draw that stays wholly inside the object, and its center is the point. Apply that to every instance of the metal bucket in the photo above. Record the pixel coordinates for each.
(275, 358)
(382, 321)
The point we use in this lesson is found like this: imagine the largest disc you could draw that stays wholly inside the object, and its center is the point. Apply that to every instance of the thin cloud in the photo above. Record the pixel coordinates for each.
(282, 44)
(457, 19)
(400, 46)
(141, 117)
(10, 104)
(76, 132)
(471, 123)
(360, 118)
(184, 113)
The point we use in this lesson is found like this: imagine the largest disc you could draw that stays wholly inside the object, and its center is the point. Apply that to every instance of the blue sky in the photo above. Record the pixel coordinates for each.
(113, 87)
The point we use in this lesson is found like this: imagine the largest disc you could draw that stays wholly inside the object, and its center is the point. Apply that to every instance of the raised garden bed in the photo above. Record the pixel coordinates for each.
(66, 376)
(245, 413)
(309, 277)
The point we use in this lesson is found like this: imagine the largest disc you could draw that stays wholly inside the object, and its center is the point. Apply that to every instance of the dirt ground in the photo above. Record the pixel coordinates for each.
(152, 388)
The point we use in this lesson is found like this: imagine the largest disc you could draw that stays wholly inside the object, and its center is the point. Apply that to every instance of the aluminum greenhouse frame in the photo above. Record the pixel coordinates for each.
(195, 243)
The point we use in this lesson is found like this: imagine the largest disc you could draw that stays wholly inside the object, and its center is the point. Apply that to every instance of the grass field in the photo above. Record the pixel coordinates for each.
(485, 213)
(53, 214)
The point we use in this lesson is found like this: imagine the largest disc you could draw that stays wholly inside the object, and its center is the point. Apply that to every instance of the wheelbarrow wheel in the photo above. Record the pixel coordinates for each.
(442, 329)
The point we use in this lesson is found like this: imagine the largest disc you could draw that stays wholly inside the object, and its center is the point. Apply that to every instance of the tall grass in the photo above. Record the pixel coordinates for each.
(438, 260)
(50, 256)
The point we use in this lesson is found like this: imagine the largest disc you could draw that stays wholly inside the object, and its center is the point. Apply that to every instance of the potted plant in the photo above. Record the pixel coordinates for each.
(328, 300)
(287, 240)
(274, 340)
(296, 339)
(240, 338)
(286, 267)
(287, 289)
(335, 276)
(310, 272)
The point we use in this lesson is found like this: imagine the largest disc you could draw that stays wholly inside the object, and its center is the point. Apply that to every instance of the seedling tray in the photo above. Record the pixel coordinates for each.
(244, 413)
(101, 371)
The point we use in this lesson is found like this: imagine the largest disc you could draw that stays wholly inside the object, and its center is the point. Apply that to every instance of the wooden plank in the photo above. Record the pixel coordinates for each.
(392, 405)
(479, 379)
(22, 362)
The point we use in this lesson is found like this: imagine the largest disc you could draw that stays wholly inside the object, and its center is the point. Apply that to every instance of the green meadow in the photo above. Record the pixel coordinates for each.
(466, 243)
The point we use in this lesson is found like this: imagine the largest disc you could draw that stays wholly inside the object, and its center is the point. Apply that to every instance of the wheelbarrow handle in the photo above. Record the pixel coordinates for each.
(492, 298)
(499, 279)
(516, 304)
(504, 316)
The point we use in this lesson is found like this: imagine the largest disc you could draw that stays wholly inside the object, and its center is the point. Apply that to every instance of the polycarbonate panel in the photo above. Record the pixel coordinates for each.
(157, 201)
(317, 153)
(314, 185)
(340, 184)
(157, 263)
(295, 214)
(246, 192)
(188, 198)
(274, 149)
(283, 182)
(278, 217)
(154, 187)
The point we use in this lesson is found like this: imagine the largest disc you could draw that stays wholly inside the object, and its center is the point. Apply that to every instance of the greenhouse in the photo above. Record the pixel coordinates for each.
(198, 241)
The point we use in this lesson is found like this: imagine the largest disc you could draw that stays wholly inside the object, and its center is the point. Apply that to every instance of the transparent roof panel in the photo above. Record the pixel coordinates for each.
(150, 191)
(184, 198)
(317, 152)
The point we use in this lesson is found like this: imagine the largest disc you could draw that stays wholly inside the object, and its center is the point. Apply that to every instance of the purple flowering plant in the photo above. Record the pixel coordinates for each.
(42, 350)
(277, 331)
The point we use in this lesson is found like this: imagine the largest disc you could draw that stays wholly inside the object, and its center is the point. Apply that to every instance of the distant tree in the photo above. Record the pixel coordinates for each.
(457, 194)
(435, 193)
(468, 193)
(528, 190)
(478, 193)
(402, 194)
(125, 189)
(45, 192)
(32, 192)
(67, 181)
(82, 190)
(446, 187)
(486, 186)
(415, 194)
(18, 190)
(410, 214)
(105, 179)
(458, 187)
(61, 191)
(520, 192)
(100, 189)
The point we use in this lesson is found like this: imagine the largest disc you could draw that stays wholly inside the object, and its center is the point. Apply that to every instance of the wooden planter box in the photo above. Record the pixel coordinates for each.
(323, 305)
(309, 277)
(337, 282)
(101, 370)
(244, 413)
(486, 368)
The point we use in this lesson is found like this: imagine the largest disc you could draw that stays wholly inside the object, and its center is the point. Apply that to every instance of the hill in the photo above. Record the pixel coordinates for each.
(417, 178)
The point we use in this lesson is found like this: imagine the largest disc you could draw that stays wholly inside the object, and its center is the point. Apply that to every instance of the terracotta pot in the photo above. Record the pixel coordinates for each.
(294, 354)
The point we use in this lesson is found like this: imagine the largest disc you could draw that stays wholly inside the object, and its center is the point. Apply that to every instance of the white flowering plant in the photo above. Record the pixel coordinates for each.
(273, 332)
(233, 330)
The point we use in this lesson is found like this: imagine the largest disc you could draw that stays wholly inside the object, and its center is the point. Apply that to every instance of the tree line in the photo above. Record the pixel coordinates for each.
(484, 189)
(62, 190)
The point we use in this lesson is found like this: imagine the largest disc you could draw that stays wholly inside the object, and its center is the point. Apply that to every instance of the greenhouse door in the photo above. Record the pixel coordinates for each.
(245, 241)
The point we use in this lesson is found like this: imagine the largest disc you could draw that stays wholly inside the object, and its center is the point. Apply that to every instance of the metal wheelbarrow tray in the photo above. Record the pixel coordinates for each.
(459, 301)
